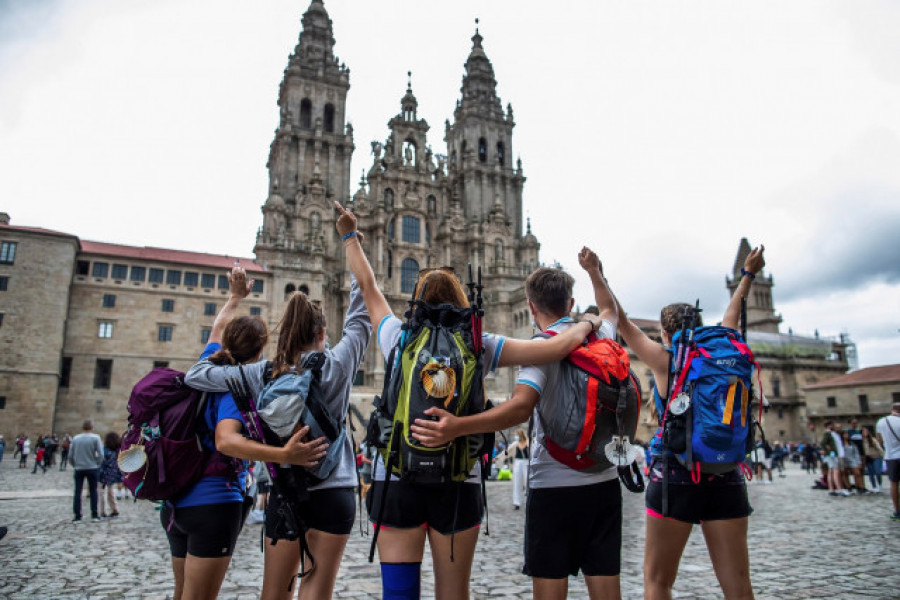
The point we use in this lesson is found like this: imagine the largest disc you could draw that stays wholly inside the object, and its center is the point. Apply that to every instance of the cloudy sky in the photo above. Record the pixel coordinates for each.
(659, 133)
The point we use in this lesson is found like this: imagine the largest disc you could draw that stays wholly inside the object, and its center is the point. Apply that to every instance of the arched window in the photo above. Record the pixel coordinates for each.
(389, 199)
(501, 153)
(328, 118)
(390, 264)
(305, 113)
(288, 290)
(315, 221)
(431, 205)
(411, 229)
(482, 150)
(303, 288)
(498, 250)
(409, 273)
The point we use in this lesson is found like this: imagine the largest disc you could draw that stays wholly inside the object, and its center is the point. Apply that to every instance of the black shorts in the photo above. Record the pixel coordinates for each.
(331, 510)
(893, 470)
(205, 531)
(572, 528)
(446, 508)
(715, 498)
(262, 487)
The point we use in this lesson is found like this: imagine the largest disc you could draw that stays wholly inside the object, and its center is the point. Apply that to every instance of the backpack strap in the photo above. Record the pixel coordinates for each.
(314, 363)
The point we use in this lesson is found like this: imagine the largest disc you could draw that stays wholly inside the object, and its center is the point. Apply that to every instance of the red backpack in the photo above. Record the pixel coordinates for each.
(593, 429)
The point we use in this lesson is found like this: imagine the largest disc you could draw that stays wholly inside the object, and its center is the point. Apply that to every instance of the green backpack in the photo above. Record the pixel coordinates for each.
(436, 363)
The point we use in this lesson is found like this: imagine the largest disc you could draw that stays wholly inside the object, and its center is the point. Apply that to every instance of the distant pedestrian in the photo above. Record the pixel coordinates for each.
(888, 431)
(110, 475)
(86, 456)
(833, 456)
(64, 452)
(24, 452)
(39, 461)
(874, 460)
(2, 447)
(520, 452)
(853, 462)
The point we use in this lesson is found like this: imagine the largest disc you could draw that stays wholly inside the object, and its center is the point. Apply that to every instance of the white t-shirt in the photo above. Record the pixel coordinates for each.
(890, 438)
(838, 443)
(388, 337)
(545, 471)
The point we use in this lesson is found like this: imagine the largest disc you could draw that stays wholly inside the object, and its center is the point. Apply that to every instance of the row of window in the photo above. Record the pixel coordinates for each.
(306, 116)
(430, 202)
(168, 305)
(483, 152)
(103, 270)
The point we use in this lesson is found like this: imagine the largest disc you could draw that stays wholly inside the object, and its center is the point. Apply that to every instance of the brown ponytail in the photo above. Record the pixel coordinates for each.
(242, 341)
(301, 326)
(672, 316)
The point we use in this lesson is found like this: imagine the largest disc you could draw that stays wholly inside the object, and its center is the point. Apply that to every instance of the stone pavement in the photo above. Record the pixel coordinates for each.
(803, 544)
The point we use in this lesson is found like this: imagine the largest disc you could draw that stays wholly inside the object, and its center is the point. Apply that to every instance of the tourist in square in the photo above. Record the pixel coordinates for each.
(110, 475)
(888, 431)
(86, 456)
(447, 515)
(874, 459)
(330, 511)
(718, 503)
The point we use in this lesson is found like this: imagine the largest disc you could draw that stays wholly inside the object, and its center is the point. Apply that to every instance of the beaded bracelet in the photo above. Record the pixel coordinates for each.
(745, 272)
(347, 236)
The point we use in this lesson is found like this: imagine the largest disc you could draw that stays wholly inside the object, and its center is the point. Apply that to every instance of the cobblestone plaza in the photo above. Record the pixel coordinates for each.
(803, 544)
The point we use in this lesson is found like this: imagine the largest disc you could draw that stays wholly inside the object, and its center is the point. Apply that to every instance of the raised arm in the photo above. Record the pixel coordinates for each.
(651, 352)
(546, 350)
(606, 304)
(753, 264)
(376, 304)
(239, 289)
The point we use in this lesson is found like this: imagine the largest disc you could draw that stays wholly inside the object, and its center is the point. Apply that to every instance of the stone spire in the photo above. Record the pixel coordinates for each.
(479, 86)
(314, 52)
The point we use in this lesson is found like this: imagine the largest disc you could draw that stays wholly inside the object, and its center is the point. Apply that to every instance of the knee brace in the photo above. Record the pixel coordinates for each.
(400, 581)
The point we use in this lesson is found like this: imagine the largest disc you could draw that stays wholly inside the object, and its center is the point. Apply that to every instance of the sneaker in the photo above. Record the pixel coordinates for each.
(895, 516)
(255, 517)
(96, 519)
(3, 531)
(845, 493)
(77, 520)
(114, 515)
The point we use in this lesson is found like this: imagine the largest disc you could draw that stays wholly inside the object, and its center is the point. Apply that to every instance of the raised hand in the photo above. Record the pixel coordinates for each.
(755, 260)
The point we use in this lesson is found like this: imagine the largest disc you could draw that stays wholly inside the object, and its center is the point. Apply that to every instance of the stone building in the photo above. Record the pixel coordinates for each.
(866, 394)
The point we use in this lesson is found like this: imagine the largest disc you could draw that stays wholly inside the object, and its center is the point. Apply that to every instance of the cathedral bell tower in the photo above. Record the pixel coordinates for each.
(760, 310)
(309, 167)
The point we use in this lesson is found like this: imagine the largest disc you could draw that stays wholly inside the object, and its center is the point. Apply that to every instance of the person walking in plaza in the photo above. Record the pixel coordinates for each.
(39, 460)
(888, 432)
(573, 518)
(874, 459)
(833, 457)
(520, 452)
(86, 456)
(110, 475)
(2, 447)
(853, 462)
(64, 452)
(447, 515)
(718, 503)
(24, 452)
(330, 510)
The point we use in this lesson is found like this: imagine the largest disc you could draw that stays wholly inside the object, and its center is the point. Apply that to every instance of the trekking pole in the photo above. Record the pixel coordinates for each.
(479, 311)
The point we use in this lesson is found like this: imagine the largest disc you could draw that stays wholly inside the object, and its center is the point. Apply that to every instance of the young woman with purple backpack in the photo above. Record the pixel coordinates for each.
(203, 523)
(675, 502)
(330, 510)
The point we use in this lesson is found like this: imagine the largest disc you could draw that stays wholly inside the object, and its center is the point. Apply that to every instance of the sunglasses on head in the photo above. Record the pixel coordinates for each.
(428, 270)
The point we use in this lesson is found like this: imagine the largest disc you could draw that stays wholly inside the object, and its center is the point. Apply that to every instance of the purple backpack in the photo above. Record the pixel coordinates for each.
(164, 420)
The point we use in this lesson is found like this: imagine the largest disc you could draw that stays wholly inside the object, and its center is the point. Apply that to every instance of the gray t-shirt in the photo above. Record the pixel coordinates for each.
(545, 471)
(891, 438)
(86, 451)
(341, 364)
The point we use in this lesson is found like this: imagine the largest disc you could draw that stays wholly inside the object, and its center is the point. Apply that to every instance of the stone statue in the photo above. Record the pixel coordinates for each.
(376, 150)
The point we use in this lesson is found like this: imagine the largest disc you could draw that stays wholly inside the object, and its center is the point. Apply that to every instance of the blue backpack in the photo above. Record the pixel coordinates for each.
(707, 423)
